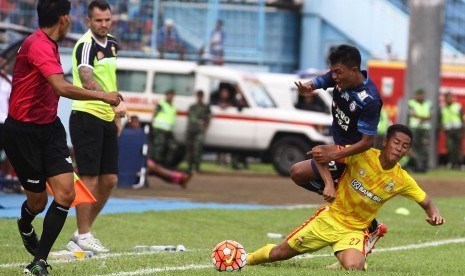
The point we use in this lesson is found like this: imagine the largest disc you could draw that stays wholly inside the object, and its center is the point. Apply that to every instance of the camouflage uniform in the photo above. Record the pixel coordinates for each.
(198, 118)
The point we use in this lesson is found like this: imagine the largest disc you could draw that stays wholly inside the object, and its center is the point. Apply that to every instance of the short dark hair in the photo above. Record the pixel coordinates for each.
(49, 11)
(346, 55)
(199, 93)
(169, 91)
(420, 91)
(393, 129)
(102, 5)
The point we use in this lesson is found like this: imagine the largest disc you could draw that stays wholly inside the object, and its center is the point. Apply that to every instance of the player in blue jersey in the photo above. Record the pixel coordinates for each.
(356, 110)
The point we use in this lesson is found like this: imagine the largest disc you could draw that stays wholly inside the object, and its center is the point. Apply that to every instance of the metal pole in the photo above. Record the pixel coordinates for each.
(156, 10)
(424, 60)
(212, 17)
(261, 30)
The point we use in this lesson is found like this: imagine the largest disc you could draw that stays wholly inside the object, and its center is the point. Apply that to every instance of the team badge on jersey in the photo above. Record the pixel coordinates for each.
(362, 95)
(352, 106)
(389, 187)
(100, 55)
(362, 172)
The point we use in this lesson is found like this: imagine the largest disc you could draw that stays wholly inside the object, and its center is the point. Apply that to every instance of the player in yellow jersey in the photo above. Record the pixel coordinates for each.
(372, 178)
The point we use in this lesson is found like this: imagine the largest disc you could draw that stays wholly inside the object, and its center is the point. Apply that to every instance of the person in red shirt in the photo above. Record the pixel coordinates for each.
(35, 139)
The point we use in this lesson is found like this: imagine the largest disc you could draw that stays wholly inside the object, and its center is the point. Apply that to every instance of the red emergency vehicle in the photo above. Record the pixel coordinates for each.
(389, 77)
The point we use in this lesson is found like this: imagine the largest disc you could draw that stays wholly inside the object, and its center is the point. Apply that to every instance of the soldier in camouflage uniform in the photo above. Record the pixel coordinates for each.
(198, 120)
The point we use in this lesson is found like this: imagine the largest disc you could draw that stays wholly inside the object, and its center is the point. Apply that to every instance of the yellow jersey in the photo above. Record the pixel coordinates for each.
(366, 186)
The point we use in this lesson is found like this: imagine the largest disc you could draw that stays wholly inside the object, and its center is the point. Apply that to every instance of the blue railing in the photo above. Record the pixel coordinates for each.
(246, 24)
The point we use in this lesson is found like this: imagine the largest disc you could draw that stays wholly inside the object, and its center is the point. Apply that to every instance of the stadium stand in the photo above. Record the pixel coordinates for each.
(258, 33)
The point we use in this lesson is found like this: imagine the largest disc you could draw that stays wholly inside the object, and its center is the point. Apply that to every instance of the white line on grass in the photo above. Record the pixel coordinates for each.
(146, 271)
(102, 256)
(161, 269)
(397, 248)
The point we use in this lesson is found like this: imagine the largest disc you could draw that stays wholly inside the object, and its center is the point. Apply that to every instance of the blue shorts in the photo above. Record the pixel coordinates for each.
(336, 169)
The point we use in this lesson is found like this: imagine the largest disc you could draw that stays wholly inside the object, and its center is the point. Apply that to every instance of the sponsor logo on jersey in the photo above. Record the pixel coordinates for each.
(358, 186)
(342, 119)
(33, 181)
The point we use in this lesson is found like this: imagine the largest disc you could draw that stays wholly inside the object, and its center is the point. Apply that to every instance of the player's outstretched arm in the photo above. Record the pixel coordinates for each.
(325, 153)
(65, 89)
(363, 145)
(305, 89)
(434, 217)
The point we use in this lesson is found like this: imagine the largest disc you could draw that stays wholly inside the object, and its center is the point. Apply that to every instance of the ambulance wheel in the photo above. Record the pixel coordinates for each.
(287, 151)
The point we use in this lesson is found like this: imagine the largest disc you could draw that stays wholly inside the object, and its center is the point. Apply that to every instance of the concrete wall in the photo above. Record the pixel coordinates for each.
(366, 24)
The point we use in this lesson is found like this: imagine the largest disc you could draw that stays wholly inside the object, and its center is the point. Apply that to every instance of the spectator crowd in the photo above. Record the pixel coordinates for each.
(132, 24)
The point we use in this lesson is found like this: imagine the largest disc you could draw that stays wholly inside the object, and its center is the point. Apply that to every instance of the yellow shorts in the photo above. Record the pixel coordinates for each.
(323, 230)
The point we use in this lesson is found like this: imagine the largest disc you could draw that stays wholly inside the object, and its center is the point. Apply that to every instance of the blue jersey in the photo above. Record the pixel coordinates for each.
(355, 111)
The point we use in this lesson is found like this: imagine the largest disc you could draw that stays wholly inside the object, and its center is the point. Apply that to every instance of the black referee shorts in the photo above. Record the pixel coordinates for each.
(95, 144)
(36, 152)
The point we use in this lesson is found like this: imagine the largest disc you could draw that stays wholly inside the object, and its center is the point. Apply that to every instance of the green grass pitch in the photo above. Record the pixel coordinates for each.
(439, 250)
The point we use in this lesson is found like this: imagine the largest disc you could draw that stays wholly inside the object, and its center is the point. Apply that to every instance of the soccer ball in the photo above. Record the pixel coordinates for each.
(228, 256)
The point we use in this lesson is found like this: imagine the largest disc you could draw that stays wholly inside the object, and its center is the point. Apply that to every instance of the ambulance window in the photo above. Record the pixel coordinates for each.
(259, 94)
(181, 84)
(131, 81)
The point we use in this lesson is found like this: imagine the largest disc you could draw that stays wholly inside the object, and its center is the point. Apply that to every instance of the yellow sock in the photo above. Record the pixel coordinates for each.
(260, 256)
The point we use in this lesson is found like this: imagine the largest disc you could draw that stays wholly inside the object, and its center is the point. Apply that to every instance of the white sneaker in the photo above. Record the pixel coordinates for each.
(373, 237)
(92, 244)
(74, 239)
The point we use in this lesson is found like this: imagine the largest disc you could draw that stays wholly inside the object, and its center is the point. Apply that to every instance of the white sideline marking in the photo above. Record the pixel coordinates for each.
(161, 269)
(181, 268)
(397, 248)
(158, 269)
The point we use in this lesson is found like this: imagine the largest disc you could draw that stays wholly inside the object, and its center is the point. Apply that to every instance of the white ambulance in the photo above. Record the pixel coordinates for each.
(258, 128)
(282, 89)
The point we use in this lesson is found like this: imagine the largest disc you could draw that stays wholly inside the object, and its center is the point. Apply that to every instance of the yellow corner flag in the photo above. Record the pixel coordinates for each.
(83, 195)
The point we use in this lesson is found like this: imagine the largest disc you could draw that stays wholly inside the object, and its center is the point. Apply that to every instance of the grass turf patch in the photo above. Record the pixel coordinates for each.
(201, 229)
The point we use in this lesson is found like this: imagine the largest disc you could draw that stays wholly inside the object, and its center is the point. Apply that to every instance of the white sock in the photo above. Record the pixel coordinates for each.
(76, 234)
(85, 236)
